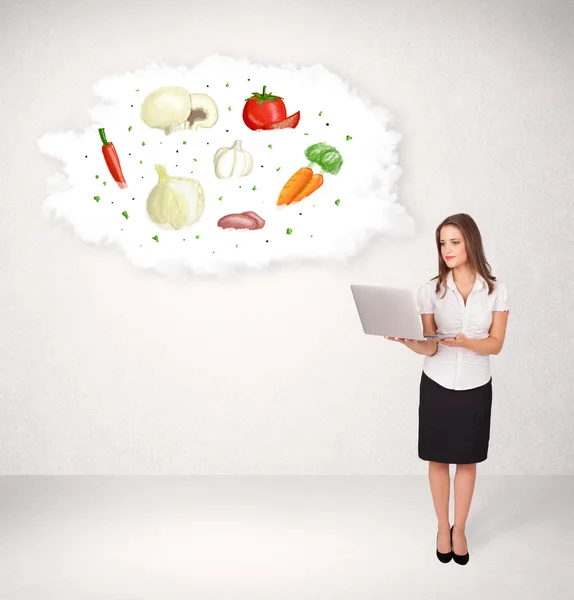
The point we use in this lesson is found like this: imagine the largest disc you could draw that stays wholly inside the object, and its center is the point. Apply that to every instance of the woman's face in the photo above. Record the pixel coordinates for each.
(452, 245)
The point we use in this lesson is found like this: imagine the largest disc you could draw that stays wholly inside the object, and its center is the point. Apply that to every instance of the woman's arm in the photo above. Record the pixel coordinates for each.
(428, 347)
(495, 340)
(487, 345)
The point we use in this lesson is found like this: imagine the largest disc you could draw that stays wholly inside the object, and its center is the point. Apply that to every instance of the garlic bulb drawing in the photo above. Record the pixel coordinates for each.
(232, 162)
(173, 108)
(175, 202)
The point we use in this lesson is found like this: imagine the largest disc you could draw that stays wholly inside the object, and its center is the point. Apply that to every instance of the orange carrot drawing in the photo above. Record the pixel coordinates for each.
(315, 183)
(303, 183)
(295, 185)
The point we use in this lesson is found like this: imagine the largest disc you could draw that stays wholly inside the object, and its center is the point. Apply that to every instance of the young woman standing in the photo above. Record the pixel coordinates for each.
(456, 386)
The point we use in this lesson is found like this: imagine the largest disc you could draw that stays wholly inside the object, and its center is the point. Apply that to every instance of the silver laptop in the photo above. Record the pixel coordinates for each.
(390, 311)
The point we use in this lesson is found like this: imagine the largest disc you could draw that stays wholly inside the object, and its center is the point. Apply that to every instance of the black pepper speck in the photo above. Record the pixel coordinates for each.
(177, 150)
(327, 124)
(227, 130)
(86, 156)
(130, 154)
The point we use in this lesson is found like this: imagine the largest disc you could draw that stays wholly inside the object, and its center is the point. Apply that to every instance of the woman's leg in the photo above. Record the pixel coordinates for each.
(464, 481)
(439, 477)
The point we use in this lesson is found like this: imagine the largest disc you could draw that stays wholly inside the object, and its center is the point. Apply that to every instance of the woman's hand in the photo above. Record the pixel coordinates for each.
(458, 342)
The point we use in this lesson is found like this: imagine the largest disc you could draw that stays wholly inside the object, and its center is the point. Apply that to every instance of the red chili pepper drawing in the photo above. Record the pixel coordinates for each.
(112, 160)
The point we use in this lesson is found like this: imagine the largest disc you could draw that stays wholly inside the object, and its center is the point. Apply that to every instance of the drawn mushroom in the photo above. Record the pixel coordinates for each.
(173, 108)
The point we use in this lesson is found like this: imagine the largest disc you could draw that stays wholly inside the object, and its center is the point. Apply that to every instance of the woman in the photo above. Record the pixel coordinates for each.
(456, 387)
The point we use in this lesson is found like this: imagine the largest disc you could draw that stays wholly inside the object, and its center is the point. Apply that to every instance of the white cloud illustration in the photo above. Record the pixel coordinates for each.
(334, 222)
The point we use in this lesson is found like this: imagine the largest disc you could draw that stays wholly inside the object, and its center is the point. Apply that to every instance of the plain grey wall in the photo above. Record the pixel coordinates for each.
(105, 368)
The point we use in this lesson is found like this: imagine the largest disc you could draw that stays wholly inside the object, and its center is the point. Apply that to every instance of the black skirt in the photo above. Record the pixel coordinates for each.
(454, 425)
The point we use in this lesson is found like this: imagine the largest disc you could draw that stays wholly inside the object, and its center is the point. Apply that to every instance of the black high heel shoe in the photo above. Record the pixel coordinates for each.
(444, 557)
(459, 559)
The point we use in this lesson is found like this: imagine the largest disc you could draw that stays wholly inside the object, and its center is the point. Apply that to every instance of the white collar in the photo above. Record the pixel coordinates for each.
(477, 283)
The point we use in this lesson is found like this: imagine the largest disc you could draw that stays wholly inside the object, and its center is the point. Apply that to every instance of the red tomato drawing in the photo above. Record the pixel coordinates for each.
(263, 109)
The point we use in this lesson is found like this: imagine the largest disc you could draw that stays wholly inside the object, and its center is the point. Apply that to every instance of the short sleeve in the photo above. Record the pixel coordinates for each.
(501, 300)
(425, 300)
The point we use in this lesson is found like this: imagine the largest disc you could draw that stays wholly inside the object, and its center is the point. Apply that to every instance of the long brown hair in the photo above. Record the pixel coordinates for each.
(475, 252)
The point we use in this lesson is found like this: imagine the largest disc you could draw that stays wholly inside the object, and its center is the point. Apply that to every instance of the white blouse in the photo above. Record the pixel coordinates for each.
(459, 368)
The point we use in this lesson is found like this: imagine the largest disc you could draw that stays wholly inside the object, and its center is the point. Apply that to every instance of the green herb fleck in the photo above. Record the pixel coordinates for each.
(220, 198)
(278, 169)
(349, 138)
(155, 238)
(143, 143)
(140, 162)
(270, 146)
(213, 252)
(337, 202)
(229, 108)
(125, 213)
(196, 237)
(227, 84)
(130, 128)
(184, 142)
(311, 236)
(289, 231)
(237, 245)
(254, 187)
(105, 182)
(137, 90)
(195, 159)
(305, 134)
(97, 198)
(97, 176)
(320, 113)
